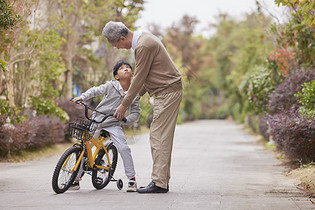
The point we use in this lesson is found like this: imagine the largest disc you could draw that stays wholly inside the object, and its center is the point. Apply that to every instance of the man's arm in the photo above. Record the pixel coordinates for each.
(144, 58)
(134, 110)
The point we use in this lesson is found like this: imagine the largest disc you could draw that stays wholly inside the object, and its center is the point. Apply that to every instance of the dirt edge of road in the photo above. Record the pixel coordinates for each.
(303, 177)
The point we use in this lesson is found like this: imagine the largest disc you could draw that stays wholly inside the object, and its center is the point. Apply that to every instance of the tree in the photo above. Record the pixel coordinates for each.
(303, 10)
(8, 19)
(80, 21)
(184, 47)
(12, 14)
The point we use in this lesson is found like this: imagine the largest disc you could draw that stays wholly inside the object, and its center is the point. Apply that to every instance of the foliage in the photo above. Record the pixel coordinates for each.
(239, 48)
(307, 99)
(40, 51)
(283, 97)
(146, 111)
(294, 135)
(298, 33)
(282, 59)
(127, 11)
(302, 40)
(80, 23)
(3, 65)
(184, 48)
(8, 112)
(260, 85)
(48, 107)
(33, 133)
(49, 70)
(305, 11)
(8, 17)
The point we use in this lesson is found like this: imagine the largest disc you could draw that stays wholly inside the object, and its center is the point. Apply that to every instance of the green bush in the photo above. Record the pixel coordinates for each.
(46, 107)
(146, 111)
(307, 99)
(12, 112)
(260, 83)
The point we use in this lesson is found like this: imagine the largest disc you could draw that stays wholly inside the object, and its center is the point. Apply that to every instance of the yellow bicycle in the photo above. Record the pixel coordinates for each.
(100, 164)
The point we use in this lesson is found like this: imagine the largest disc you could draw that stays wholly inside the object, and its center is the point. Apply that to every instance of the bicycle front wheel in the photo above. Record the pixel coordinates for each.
(64, 175)
(101, 177)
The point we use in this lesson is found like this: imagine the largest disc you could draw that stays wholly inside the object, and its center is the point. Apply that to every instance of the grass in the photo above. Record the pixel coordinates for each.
(305, 178)
(132, 132)
(36, 153)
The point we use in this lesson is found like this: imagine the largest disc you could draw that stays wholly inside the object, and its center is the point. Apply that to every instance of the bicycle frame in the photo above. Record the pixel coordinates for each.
(91, 157)
(97, 143)
(95, 156)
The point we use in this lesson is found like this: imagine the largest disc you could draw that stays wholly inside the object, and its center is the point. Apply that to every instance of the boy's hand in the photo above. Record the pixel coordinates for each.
(120, 112)
(76, 99)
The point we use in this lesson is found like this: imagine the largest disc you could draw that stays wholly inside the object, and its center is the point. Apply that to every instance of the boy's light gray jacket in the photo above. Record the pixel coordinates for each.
(110, 102)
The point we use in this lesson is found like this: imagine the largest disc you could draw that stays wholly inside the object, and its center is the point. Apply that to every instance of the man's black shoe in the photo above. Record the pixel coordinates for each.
(150, 184)
(152, 188)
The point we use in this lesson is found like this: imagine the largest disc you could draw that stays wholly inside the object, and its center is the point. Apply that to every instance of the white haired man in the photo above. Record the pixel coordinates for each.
(156, 74)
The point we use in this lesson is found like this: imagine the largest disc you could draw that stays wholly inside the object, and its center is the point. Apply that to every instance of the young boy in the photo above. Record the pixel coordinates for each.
(114, 92)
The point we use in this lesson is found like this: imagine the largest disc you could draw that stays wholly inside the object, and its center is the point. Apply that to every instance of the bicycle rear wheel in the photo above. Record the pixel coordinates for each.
(63, 175)
(101, 177)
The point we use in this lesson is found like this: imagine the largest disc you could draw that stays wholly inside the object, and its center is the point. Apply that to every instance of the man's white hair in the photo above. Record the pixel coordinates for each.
(114, 30)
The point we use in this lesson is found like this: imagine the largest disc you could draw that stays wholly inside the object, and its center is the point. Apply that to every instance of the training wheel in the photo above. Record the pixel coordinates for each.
(120, 184)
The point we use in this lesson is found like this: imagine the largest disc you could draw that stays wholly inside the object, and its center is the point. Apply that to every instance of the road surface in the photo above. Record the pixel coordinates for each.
(215, 165)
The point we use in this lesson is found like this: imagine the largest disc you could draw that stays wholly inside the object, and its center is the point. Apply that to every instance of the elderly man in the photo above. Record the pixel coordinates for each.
(156, 74)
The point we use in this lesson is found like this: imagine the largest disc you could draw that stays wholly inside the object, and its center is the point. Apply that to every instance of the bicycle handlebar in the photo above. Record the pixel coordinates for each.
(88, 107)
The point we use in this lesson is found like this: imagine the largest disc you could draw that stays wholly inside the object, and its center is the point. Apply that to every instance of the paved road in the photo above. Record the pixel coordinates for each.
(216, 165)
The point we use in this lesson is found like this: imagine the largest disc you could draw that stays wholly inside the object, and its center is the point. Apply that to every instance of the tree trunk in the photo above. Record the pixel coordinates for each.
(10, 85)
(2, 76)
(69, 83)
(69, 72)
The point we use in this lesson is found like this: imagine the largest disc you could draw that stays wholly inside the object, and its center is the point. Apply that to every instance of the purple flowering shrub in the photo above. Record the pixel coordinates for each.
(282, 98)
(293, 132)
(35, 132)
(294, 135)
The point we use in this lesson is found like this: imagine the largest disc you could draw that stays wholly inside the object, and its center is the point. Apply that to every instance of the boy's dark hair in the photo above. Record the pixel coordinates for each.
(118, 65)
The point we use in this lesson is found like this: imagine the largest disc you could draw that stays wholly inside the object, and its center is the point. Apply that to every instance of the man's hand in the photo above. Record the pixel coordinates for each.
(120, 112)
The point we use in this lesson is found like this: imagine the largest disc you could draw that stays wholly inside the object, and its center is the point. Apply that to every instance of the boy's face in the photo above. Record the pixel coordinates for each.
(124, 72)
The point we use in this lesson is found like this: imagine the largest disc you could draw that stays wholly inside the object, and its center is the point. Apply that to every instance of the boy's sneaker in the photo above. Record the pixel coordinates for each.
(132, 185)
(75, 186)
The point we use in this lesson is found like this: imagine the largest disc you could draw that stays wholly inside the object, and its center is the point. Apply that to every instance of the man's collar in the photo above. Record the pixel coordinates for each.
(136, 35)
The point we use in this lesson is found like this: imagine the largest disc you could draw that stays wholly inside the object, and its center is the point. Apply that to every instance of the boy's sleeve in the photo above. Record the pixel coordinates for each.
(134, 110)
(94, 91)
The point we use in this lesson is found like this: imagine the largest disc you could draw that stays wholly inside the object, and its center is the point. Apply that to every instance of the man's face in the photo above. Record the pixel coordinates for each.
(121, 44)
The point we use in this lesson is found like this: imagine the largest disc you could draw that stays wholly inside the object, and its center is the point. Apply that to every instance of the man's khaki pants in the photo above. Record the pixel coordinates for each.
(165, 112)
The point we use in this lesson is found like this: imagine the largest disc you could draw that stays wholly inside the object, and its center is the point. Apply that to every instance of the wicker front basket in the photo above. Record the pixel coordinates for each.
(82, 129)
